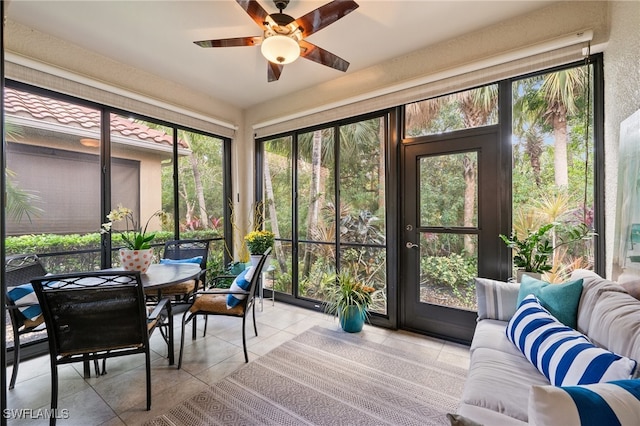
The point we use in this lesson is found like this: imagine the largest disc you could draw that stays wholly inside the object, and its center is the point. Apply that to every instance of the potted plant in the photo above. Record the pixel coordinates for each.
(259, 241)
(348, 299)
(137, 253)
(532, 254)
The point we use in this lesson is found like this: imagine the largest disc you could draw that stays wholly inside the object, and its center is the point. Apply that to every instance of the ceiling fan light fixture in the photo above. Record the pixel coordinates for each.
(280, 49)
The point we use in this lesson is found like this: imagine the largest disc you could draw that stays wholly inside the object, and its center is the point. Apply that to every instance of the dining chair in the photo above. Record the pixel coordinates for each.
(22, 303)
(97, 315)
(236, 301)
(185, 251)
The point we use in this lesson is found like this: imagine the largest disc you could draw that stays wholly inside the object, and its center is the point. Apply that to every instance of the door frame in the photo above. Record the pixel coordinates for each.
(442, 321)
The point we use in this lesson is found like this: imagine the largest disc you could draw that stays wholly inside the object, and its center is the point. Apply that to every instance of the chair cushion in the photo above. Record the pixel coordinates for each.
(196, 259)
(215, 304)
(561, 300)
(612, 403)
(24, 294)
(185, 287)
(239, 283)
(565, 356)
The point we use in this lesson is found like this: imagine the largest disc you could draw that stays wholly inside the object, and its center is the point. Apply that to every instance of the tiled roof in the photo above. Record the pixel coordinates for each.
(23, 104)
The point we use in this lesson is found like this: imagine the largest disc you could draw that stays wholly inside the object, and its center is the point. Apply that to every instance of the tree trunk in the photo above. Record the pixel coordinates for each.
(314, 190)
(273, 215)
(560, 147)
(469, 172)
(204, 216)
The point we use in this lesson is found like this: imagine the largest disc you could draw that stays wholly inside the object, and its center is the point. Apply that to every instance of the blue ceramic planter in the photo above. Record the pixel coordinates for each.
(353, 320)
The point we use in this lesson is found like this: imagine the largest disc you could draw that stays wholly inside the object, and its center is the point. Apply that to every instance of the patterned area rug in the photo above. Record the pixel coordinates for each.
(325, 377)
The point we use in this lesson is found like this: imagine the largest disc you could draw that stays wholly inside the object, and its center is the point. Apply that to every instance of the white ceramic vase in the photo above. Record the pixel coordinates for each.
(136, 260)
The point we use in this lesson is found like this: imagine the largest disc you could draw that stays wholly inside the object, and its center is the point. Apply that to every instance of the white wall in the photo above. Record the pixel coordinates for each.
(622, 98)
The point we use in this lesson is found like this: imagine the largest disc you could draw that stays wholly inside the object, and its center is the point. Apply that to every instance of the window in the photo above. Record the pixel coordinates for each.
(338, 218)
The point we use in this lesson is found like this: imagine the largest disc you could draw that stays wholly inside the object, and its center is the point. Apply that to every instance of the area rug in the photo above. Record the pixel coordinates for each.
(325, 377)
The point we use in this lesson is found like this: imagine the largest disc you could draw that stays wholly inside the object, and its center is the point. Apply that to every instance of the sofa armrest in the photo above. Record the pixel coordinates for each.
(496, 299)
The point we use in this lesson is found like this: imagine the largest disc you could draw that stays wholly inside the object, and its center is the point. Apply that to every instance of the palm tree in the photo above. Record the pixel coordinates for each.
(560, 91)
(477, 106)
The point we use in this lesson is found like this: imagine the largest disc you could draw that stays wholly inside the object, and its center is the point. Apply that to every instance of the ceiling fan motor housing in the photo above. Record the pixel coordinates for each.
(281, 4)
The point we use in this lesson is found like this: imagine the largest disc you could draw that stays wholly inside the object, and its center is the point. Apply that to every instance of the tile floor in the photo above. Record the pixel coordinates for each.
(119, 398)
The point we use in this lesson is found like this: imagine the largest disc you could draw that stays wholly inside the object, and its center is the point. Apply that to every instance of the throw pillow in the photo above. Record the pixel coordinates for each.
(239, 283)
(561, 300)
(633, 288)
(196, 259)
(612, 403)
(564, 356)
(24, 295)
(496, 299)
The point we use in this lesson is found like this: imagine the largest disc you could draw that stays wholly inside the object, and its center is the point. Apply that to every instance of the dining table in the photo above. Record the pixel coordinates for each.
(161, 275)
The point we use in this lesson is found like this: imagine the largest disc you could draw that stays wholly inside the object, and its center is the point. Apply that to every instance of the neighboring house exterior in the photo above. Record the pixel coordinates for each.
(53, 153)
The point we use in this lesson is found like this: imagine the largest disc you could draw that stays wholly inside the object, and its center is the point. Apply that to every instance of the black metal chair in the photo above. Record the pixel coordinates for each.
(193, 251)
(215, 302)
(97, 315)
(19, 270)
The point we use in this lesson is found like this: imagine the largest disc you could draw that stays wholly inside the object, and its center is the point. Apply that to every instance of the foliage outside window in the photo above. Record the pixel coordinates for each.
(356, 219)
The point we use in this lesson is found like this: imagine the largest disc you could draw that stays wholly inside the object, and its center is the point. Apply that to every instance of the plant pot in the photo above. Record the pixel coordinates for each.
(255, 258)
(136, 260)
(353, 319)
(521, 272)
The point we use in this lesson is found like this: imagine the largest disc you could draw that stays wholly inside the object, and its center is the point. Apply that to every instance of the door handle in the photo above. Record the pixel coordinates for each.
(411, 245)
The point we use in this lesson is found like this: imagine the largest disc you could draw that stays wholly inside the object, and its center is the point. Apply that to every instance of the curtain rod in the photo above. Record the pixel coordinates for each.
(499, 59)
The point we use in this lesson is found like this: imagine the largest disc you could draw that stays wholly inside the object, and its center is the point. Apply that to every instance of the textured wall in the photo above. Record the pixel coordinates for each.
(622, 98)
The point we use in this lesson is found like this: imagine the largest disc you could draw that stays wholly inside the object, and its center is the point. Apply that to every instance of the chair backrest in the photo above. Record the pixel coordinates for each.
(188, 249)
(20, 270)
(93, 311)
(253, 286)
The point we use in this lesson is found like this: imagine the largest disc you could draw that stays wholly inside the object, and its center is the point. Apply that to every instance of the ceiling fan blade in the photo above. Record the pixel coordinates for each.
(321, 56)
(325, 15)
(273, 71)
(253, 8)
(230, 42)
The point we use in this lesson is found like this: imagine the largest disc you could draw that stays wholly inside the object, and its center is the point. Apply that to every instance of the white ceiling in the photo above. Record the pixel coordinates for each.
(157, 36)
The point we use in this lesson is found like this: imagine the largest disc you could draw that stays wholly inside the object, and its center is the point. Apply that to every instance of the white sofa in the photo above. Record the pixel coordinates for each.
(497, 389)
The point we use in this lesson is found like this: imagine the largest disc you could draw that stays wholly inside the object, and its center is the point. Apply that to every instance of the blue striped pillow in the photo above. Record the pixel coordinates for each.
(565, 356)
(612, 403)
(24, 296)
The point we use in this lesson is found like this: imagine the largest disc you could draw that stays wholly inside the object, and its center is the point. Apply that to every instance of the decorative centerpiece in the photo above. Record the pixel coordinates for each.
(349, 300)
(258, 242)
(137, 253)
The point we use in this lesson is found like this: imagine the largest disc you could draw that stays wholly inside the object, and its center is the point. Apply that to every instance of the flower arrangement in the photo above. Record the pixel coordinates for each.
(345, 292)
(259, 241)
(133, 238)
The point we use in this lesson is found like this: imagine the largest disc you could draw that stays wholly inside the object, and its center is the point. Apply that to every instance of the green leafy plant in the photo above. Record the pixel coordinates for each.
(134, 238)
(343, 291)
(534, 252)
(259, 241)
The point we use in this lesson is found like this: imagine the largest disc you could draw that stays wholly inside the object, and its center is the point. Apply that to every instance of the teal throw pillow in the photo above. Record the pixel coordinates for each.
(561, 300)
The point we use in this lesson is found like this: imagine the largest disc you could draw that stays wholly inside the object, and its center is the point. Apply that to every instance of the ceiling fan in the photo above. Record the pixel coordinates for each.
(283, 39)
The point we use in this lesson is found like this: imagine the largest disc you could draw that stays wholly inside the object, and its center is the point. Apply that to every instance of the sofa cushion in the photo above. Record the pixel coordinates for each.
(490, 334)
(563, 355)
(500, 382)
(496, 299)
(617, 327)
(613, 403)
(561, 300)
(593, 287)
(487, 417)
